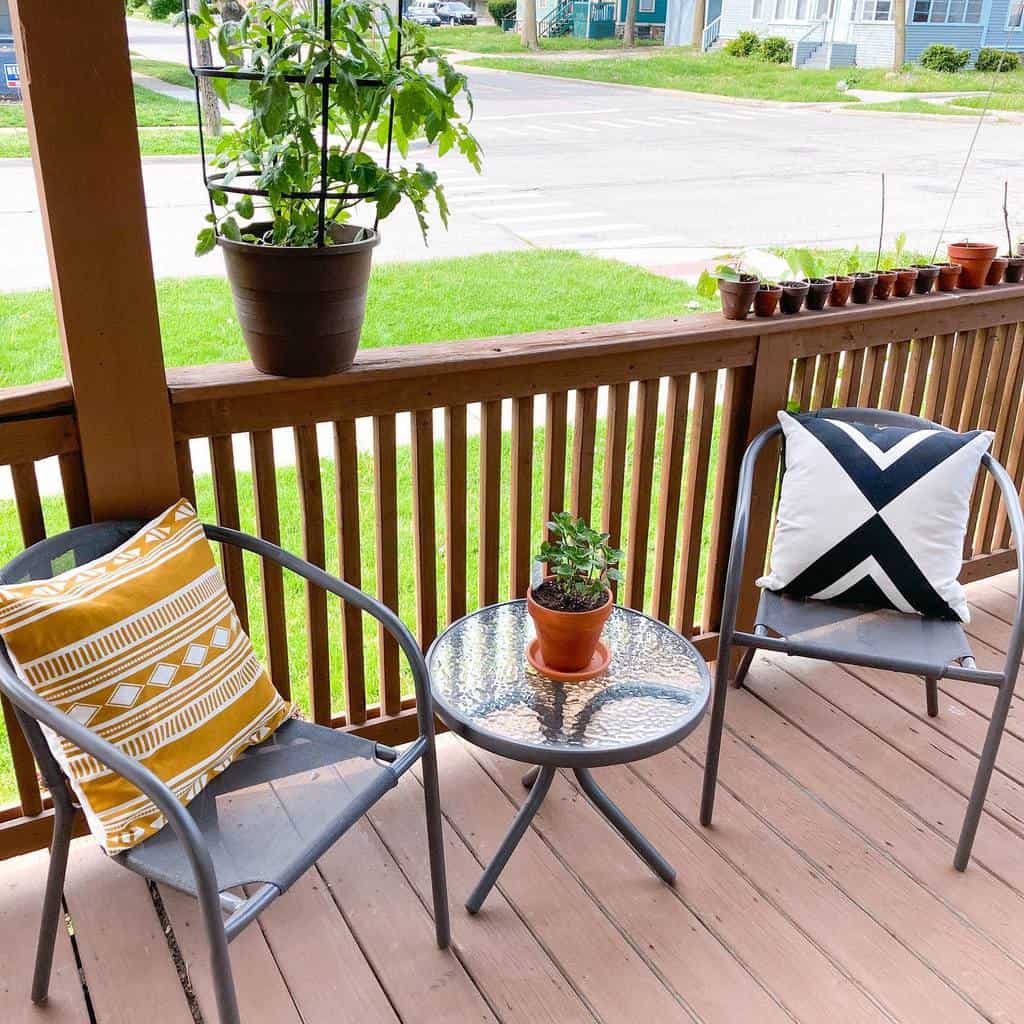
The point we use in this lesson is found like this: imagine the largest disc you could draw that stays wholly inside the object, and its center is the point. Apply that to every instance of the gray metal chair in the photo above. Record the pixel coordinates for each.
(267, 818)
(827, 631)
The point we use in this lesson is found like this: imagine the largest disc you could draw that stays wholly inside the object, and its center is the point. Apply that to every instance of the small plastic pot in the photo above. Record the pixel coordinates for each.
(1014, 273)
(976, 259)
(996, 271)
(927, 275)
(737, 296)
(949, 277)
(863, 287)
(766, 299)
(818, 289)
(793, 295)
(905, 278)
(885, 284)
(842, 285)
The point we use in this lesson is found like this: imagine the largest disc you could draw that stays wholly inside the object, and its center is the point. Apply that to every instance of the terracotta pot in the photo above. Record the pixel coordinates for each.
(301, 309)
(1014, 273)
(885, 283)
(949, 276)
(737, 296)
(863, 287)
(905, 278)
(766, 299)
(793, 295)
(818, 289)
(996, 271)
(927, 275)
(976, 259)
(842, 285)
(568, 639)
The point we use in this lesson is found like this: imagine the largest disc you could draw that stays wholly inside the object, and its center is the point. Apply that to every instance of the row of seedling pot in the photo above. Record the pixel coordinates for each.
(970, 265)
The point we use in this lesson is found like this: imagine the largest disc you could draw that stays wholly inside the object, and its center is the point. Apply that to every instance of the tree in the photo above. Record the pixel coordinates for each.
(207, 97)
(899, 48)
(528, 29)
(629, 28)
(699, 16)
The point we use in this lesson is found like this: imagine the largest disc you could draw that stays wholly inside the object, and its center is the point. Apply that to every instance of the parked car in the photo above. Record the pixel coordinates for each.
(456, 14)
(423, 14)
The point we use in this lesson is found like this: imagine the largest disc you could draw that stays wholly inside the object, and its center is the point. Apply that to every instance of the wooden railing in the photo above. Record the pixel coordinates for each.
(425, 473)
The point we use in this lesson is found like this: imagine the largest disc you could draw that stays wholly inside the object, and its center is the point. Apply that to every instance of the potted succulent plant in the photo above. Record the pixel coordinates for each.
(766, 298)
(284, 181)
(975, 258)
(734, 285)
(570, 607)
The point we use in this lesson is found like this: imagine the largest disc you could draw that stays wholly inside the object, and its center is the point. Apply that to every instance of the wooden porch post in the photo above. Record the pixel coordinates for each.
(80, 112)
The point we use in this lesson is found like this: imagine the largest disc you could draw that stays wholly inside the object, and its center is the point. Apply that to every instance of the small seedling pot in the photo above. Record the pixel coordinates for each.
(737, 296)
(766, 299)
(842, 285)
(863, 287)
(885, 283)
(949, 277)
(996, 271)
(818, 290)
(976, 259)
(927, 275)
(568, 640)
(793, 295)
(905, 278)
(1014, 273)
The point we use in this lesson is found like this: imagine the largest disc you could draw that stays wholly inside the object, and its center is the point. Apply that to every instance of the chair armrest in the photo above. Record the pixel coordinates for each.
(1011, 502)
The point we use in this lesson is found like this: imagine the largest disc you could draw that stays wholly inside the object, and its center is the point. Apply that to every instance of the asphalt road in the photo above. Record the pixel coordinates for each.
(652, 177)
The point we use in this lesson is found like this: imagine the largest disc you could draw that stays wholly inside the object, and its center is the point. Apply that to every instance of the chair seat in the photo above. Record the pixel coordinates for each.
(851, 633)
(291, 796)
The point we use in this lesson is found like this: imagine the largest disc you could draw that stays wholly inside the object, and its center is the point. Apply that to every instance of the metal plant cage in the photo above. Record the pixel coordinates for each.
(322, 12)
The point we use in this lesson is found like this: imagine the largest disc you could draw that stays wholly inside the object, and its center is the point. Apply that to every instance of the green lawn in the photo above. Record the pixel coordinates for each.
(916, 107)
(491, 39)
(719, 74)
(152, 110)
(178, 74)
(152, 142)
(1007, 101)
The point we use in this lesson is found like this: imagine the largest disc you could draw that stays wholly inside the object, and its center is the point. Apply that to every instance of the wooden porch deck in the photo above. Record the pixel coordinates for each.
(825, 890)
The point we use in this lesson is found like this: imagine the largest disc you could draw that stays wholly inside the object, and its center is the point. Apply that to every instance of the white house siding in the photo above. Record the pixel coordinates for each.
(996, 35)
(679, 22)
(875, 43)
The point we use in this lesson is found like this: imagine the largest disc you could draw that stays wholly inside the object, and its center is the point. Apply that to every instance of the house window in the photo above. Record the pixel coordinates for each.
(1016, 16)
(646, 6)
(757, 10)
(823, 9)
(875, 10)
(801, 10)
(780, 9)
(947, 12)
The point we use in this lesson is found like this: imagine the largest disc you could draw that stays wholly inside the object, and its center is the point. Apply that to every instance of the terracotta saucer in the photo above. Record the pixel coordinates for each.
(598, 663)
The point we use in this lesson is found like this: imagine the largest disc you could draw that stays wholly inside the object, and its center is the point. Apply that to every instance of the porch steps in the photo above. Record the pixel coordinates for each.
(825, 55)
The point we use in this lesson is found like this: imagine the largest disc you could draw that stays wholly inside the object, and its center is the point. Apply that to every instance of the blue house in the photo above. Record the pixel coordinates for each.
(838, 33)
(592, 19)
(9, 79)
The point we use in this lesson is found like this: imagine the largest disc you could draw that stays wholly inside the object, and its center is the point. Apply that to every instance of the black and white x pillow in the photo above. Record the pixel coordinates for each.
(874, 515)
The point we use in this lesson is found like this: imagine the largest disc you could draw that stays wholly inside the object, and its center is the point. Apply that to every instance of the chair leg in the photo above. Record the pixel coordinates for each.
(931, 690)
(743, 667)
(988, 760)
(63, 819)
(217, 939)
(435, 844)
(707, 803)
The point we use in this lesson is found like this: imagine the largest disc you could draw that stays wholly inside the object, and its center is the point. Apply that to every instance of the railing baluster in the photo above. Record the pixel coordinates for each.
(616, 438)
(892, 375)
(268, 526)
(385, 465)
(971, 400)
(521, 504)
(698, 464)
(311, 501)
(916, 379)
(938, 376)
(644, 437)
(423, 519)
(28, 502)
(490, 502)
(76, 494)
(186, 478)
(673, 454)
(225, 493)
(555, 415)
(849, 380)
(1014, 460)
(871, 377)
(29, 796)
(346, 491)
(455, 510)
(584, 436)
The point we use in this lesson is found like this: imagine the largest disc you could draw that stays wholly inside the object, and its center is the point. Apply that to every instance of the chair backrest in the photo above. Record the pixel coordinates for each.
(877, 418)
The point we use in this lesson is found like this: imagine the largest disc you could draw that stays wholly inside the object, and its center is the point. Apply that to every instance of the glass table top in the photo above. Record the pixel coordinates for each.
(652, 694)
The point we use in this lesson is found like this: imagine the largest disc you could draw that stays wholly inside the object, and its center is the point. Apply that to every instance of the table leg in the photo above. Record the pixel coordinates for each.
(538, 791)
(531, 777)
(625, 827)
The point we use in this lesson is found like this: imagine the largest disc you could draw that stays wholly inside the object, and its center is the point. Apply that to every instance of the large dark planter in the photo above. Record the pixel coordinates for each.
(905, 278)
(864, 287)
(976, 259)
(927, 275)
(793, 295)
(996, 271)
(737, 296)
(818, 290)
(1014, 272)
(885, 283)
(301, 309)
(766, 299)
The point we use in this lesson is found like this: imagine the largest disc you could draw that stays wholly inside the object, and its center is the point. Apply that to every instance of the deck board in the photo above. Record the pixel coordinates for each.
(824, 891)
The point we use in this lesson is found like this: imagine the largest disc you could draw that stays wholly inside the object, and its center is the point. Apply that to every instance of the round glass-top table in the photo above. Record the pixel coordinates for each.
(652, 694)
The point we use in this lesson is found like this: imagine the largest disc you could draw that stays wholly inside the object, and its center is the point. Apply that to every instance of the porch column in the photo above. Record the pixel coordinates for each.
(80, 112)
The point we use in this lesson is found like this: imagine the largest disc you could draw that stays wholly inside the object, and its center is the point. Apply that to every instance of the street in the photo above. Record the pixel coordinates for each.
(648, 176)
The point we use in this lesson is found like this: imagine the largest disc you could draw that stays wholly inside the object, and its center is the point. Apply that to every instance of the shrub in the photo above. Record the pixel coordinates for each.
(499, 10)
(775, 50)
(991, 59)
(159, 10)
(939, 57)
(744, 45)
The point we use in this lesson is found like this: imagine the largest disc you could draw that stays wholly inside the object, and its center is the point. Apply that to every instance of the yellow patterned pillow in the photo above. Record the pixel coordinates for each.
(143, 646)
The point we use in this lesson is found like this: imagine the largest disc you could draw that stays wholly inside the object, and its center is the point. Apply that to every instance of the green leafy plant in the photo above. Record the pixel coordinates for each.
(580, 559)
(277, 148)
(160, 10)
(731, 270)
(804, 263)
(991, 59)
(744, 45)
(499, 10)
(775, 50)
(891, 260)
(940, 57)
